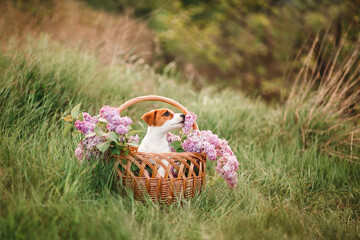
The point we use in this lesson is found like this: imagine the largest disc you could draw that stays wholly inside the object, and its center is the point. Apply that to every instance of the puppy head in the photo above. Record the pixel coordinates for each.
(164, 118)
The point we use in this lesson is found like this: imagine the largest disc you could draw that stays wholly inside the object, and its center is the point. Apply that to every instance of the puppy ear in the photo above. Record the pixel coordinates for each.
(149, 117)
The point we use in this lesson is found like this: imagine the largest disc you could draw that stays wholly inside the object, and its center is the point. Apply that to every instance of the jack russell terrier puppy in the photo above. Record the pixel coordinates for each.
(160, 122)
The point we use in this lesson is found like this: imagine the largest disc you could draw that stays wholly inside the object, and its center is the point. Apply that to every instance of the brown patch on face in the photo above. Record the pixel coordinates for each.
(157, 117)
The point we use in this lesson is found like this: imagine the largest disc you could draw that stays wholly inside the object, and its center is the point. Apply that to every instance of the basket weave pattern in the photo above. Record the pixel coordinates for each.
(188, 168)
(184, 176)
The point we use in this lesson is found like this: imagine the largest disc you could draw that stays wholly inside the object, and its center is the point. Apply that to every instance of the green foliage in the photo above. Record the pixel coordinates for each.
(177, 146)
(139, 7)
(246, 44)
(284, 191)
(75, 111)
(40, 8)
(103, 147)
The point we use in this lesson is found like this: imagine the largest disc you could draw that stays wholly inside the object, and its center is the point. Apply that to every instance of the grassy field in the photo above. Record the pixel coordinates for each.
(290, 185)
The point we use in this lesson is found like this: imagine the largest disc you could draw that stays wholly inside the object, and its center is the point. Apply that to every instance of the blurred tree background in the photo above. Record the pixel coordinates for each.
(247, 44)
(244, 44)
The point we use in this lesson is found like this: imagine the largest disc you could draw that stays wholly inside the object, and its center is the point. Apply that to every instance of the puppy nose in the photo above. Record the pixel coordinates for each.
(183, 116)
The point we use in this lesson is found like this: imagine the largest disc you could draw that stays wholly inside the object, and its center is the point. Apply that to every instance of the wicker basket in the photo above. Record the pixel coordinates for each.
(184, 176)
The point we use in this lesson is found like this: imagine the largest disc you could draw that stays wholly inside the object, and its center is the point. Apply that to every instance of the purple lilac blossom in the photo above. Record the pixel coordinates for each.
(172, 137)
(90, 146)
(126, 121)
(108, 113)
(84, 127)
(215, 149)
(88, 118)
(87, 147)
(79, 152)
(134, 138)
(190, 119)
(115, 122)
(121, 129)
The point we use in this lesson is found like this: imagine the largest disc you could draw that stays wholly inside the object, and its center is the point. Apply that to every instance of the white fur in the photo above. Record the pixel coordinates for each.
(155, 139)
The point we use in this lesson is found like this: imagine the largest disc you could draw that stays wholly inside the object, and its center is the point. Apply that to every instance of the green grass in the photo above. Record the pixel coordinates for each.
(285, 191)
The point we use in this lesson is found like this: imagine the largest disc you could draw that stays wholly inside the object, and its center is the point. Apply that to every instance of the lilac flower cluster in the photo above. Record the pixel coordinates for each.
(190, 119)
(88, 118)
(214, 148)
(88, 125)
(87, 147)
(115, 123)
(134, 138)
(172, 137)
(227, 165)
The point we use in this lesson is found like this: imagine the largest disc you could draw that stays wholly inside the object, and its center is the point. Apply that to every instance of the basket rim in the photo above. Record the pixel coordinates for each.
(163, 179)
(170, 153)
(202, 155)
(172, 157)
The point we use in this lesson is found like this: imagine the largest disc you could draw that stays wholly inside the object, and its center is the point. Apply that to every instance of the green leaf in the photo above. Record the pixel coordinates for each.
(101, 124)
(177, 146)
(115, 151)
(67, 129)
(75, 111)
(90, 134)
(81, 117)
(103, 146)
(99, 131)
(76, 133)
(132, 132)
(112, 136)
(103, 120)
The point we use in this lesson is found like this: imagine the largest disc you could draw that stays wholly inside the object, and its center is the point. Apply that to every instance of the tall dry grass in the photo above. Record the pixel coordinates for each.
(114, 38)
(325, 98)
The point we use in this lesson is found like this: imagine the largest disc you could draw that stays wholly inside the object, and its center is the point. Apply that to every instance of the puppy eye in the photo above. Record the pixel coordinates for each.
(166, 114)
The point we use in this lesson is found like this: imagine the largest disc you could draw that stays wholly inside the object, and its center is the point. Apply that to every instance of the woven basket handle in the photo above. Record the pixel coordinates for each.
(156, 98)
